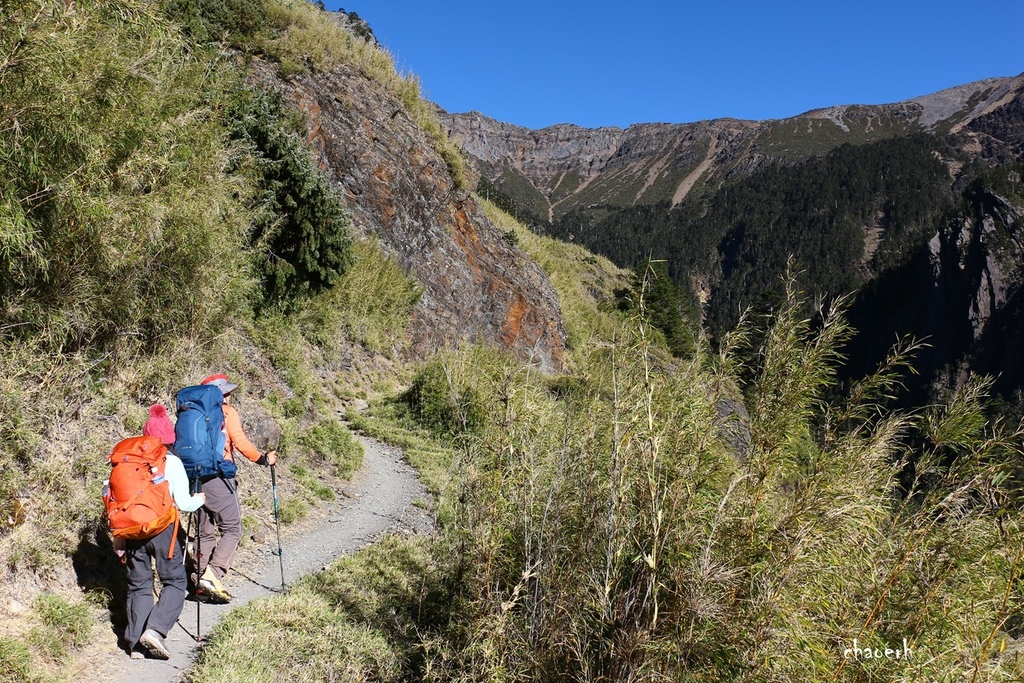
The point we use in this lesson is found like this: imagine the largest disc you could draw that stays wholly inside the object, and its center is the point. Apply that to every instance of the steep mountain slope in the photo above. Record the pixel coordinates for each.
(476, 285)
(962, 292)
(149, 198)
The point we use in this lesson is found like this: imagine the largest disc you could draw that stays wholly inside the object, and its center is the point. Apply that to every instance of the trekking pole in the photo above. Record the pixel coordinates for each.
(277, 520)
(197, 485)
(190, 552)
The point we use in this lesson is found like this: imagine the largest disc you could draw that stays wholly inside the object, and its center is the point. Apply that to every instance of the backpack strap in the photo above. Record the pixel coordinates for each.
(174, 536)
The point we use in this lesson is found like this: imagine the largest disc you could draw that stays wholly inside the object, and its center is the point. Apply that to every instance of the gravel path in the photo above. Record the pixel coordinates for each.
(379, 499)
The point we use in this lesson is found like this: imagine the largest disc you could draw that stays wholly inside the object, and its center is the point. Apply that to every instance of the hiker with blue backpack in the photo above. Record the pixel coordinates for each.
(208, 432)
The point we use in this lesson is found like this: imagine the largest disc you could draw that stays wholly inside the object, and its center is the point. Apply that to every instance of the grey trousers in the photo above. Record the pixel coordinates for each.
(221, 512)
(142, 613)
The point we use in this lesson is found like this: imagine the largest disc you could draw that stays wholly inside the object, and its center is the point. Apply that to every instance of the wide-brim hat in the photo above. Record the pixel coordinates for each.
(221, 382)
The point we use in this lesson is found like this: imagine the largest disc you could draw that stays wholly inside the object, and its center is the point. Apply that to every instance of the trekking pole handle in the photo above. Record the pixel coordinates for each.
(273, 475)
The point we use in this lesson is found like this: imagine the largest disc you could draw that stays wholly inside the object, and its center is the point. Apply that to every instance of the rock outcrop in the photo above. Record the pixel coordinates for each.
(476, 286)
(963, 293)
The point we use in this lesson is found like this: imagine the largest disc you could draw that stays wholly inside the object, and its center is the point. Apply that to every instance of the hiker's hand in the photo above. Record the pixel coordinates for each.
(202, 497)
(272, 458)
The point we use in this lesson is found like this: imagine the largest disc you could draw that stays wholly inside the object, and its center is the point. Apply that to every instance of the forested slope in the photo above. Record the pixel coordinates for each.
(853, 193)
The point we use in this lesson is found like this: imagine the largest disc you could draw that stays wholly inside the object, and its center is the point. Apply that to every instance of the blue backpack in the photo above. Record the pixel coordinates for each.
(199, 433)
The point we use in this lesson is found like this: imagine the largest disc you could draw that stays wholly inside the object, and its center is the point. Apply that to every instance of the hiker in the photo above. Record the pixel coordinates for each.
(223, 512)
(149, 623)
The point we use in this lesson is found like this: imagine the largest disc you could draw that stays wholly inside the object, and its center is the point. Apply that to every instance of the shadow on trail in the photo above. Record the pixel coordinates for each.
(273, 589)
(100, 571)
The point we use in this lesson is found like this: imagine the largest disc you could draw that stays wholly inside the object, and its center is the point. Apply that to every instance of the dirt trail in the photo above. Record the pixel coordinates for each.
(379, 499)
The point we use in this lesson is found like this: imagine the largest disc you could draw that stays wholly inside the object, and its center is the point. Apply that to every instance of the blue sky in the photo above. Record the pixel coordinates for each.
(535, 63)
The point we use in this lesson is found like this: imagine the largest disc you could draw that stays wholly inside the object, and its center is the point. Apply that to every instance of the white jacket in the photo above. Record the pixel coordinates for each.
(178, 480)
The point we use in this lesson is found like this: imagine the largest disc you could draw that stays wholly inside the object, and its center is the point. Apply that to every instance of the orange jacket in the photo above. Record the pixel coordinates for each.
(236, 438)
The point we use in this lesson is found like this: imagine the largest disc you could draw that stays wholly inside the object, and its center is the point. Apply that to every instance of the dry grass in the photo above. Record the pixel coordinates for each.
(612, 535)
(585, 283)
(306, 38)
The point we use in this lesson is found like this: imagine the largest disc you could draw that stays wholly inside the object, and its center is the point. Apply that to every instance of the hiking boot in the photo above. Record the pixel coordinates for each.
(154, 644)
(212, 597)
(211, 588)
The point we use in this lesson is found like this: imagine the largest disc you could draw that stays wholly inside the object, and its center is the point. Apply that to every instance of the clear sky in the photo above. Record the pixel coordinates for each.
(596, 63)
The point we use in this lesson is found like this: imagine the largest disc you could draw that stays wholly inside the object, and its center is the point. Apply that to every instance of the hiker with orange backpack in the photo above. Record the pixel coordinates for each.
(222, 508)
(146, 490)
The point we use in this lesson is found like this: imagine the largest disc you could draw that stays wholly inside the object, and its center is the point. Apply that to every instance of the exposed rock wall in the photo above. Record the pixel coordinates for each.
(963, 293)
(569, 166)
(541, 153)
(477, 286)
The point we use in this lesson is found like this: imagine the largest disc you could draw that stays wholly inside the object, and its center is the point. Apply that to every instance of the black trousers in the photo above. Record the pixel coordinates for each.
(142, 613)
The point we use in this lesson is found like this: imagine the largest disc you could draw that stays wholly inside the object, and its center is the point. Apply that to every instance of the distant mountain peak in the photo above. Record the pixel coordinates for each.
(973, 99)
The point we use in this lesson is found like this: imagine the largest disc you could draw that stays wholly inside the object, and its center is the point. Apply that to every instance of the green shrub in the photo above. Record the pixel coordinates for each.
(443, 403)
(311, 482)
(15, 661)
(371, 304)
(280, 337)
(301, 228)
(118, 224)
(241, 23)
(293, 510)
(667, 307)
(65, 626)
(331, 442)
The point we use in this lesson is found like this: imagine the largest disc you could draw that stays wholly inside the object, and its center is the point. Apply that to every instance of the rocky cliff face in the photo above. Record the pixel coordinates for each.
(560, 168)
(476, 286)
(962, 292)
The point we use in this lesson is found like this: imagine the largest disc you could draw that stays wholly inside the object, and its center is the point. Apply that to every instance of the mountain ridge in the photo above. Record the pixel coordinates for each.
(553, 170)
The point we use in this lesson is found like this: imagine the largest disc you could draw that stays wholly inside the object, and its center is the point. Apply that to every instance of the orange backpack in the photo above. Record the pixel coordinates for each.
(138, 498)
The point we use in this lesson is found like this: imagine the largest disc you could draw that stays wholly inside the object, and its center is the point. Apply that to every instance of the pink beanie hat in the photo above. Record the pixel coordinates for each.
(159, 424)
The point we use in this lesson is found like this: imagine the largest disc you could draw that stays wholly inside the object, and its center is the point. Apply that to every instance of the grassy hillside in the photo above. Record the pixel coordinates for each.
(159, 221)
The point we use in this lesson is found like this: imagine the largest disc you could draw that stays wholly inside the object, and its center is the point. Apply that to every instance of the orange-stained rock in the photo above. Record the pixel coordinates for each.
(476, 286)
